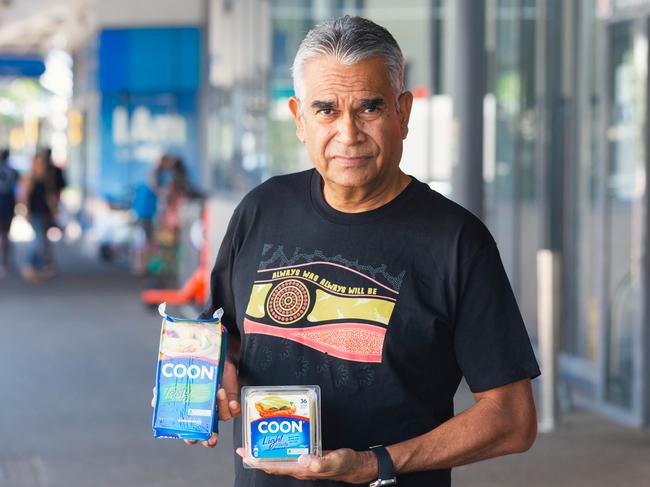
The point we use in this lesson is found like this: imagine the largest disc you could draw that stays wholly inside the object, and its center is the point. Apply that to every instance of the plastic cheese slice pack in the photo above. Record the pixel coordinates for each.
(190, 365)
(280, 423)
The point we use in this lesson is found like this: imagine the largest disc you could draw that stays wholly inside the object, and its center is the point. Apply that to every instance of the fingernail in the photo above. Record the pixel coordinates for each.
(221, 394)
(233, 404)
(304, 460)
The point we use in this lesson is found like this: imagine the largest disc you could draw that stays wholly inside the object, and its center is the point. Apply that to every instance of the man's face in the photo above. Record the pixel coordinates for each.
(349, 121)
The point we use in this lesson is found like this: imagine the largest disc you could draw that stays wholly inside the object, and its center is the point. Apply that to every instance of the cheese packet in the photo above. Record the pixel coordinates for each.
(190, 366)
(280, 424)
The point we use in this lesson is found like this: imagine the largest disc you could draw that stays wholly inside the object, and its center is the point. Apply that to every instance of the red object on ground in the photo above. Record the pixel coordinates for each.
(195, 289)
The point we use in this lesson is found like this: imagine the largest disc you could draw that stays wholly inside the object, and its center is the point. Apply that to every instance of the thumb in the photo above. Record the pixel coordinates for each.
(326, 463)
(311, 463)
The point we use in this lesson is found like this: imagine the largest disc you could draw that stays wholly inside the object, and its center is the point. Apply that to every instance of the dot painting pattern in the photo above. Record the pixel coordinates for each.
(288, 302)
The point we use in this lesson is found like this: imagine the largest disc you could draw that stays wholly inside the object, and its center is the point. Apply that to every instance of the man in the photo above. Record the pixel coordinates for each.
(8, 180)
(400, 291)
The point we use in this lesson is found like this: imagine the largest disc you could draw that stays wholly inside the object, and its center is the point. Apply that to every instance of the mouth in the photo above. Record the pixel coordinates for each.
(351, 161)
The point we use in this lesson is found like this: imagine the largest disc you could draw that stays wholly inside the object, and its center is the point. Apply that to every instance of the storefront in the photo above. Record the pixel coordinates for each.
(564, 161)
(565, 114)
(622, 367)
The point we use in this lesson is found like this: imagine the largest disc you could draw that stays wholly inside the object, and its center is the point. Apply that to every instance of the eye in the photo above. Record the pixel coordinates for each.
(325, 111)
(371, 112)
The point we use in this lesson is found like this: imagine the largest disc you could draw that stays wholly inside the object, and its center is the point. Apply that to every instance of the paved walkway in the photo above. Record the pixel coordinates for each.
(586, 451)
(77, 362)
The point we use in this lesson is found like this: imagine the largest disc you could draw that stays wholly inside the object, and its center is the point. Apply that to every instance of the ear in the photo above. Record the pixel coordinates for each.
(405, 101)
(294, 107)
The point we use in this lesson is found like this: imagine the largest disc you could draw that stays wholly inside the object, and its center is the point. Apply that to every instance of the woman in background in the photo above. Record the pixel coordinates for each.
(41, 203)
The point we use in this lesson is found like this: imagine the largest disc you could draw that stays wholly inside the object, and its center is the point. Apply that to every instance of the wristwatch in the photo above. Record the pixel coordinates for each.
(387, 474)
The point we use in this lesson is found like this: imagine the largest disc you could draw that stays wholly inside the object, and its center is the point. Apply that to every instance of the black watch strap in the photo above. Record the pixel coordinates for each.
(386, 468)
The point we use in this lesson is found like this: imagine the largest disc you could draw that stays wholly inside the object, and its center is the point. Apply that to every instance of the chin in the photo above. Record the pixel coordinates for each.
(350, 176)
(351, 180)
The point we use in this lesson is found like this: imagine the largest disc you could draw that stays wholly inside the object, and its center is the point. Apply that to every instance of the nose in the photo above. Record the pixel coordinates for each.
(348, 131)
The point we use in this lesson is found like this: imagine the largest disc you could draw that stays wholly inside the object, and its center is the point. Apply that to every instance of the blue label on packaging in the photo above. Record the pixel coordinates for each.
(187, 389)
(280, 437)
(188, 374)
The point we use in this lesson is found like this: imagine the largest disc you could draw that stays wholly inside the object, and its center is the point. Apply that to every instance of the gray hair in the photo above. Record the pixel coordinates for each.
(350, 40)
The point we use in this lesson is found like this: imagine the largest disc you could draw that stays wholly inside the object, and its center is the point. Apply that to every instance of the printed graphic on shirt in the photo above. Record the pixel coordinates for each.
(327, 306)
(278, 258)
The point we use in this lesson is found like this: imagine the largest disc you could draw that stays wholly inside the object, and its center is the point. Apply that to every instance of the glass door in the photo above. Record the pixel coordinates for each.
(510, 174)
(624, 217)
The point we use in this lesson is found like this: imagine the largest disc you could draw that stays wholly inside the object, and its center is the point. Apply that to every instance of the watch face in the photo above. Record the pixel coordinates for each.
(383, 483)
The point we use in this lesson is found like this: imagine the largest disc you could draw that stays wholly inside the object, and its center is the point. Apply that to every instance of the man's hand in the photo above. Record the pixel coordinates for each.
(228, 395)
(227, 401)
(344, 465)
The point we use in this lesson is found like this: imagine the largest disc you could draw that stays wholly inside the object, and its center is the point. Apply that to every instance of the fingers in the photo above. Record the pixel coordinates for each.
(228, 396)
(316, 465)
(247, 461)
(222, 405)
(334, 465)
(234, 407)
(230, 382)
(211, 442)
(228, 409)
(307, 466)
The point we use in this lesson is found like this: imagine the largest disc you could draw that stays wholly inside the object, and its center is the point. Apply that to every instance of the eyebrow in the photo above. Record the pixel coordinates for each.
(322, 105)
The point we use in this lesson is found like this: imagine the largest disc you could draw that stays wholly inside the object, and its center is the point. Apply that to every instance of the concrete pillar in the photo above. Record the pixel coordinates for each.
(467, 65)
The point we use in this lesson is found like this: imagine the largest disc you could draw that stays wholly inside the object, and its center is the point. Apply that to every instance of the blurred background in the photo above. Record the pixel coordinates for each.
(133, 128)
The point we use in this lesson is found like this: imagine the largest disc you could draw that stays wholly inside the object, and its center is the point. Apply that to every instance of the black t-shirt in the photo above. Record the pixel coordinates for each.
(385, 310)
(8, 180)
(37, 200)
(56, 178)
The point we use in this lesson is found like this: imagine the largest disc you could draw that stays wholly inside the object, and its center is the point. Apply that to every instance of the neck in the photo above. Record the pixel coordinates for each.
(360, 199)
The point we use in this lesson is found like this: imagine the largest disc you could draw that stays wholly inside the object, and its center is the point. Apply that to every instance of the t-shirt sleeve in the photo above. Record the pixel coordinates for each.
(221, 293)
(490, 340)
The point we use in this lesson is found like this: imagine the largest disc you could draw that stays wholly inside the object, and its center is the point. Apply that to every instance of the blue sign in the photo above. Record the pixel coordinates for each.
(29, 67)
(150, 59)
(136, 130)
(149, 80)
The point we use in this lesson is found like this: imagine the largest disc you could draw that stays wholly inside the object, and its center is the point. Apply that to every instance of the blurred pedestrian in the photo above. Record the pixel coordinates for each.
(161, 177)
(172, 186)
(180, 181)
(180, 188)
(55, 178)
(41, 200)
(144, 208)
(8, 180)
